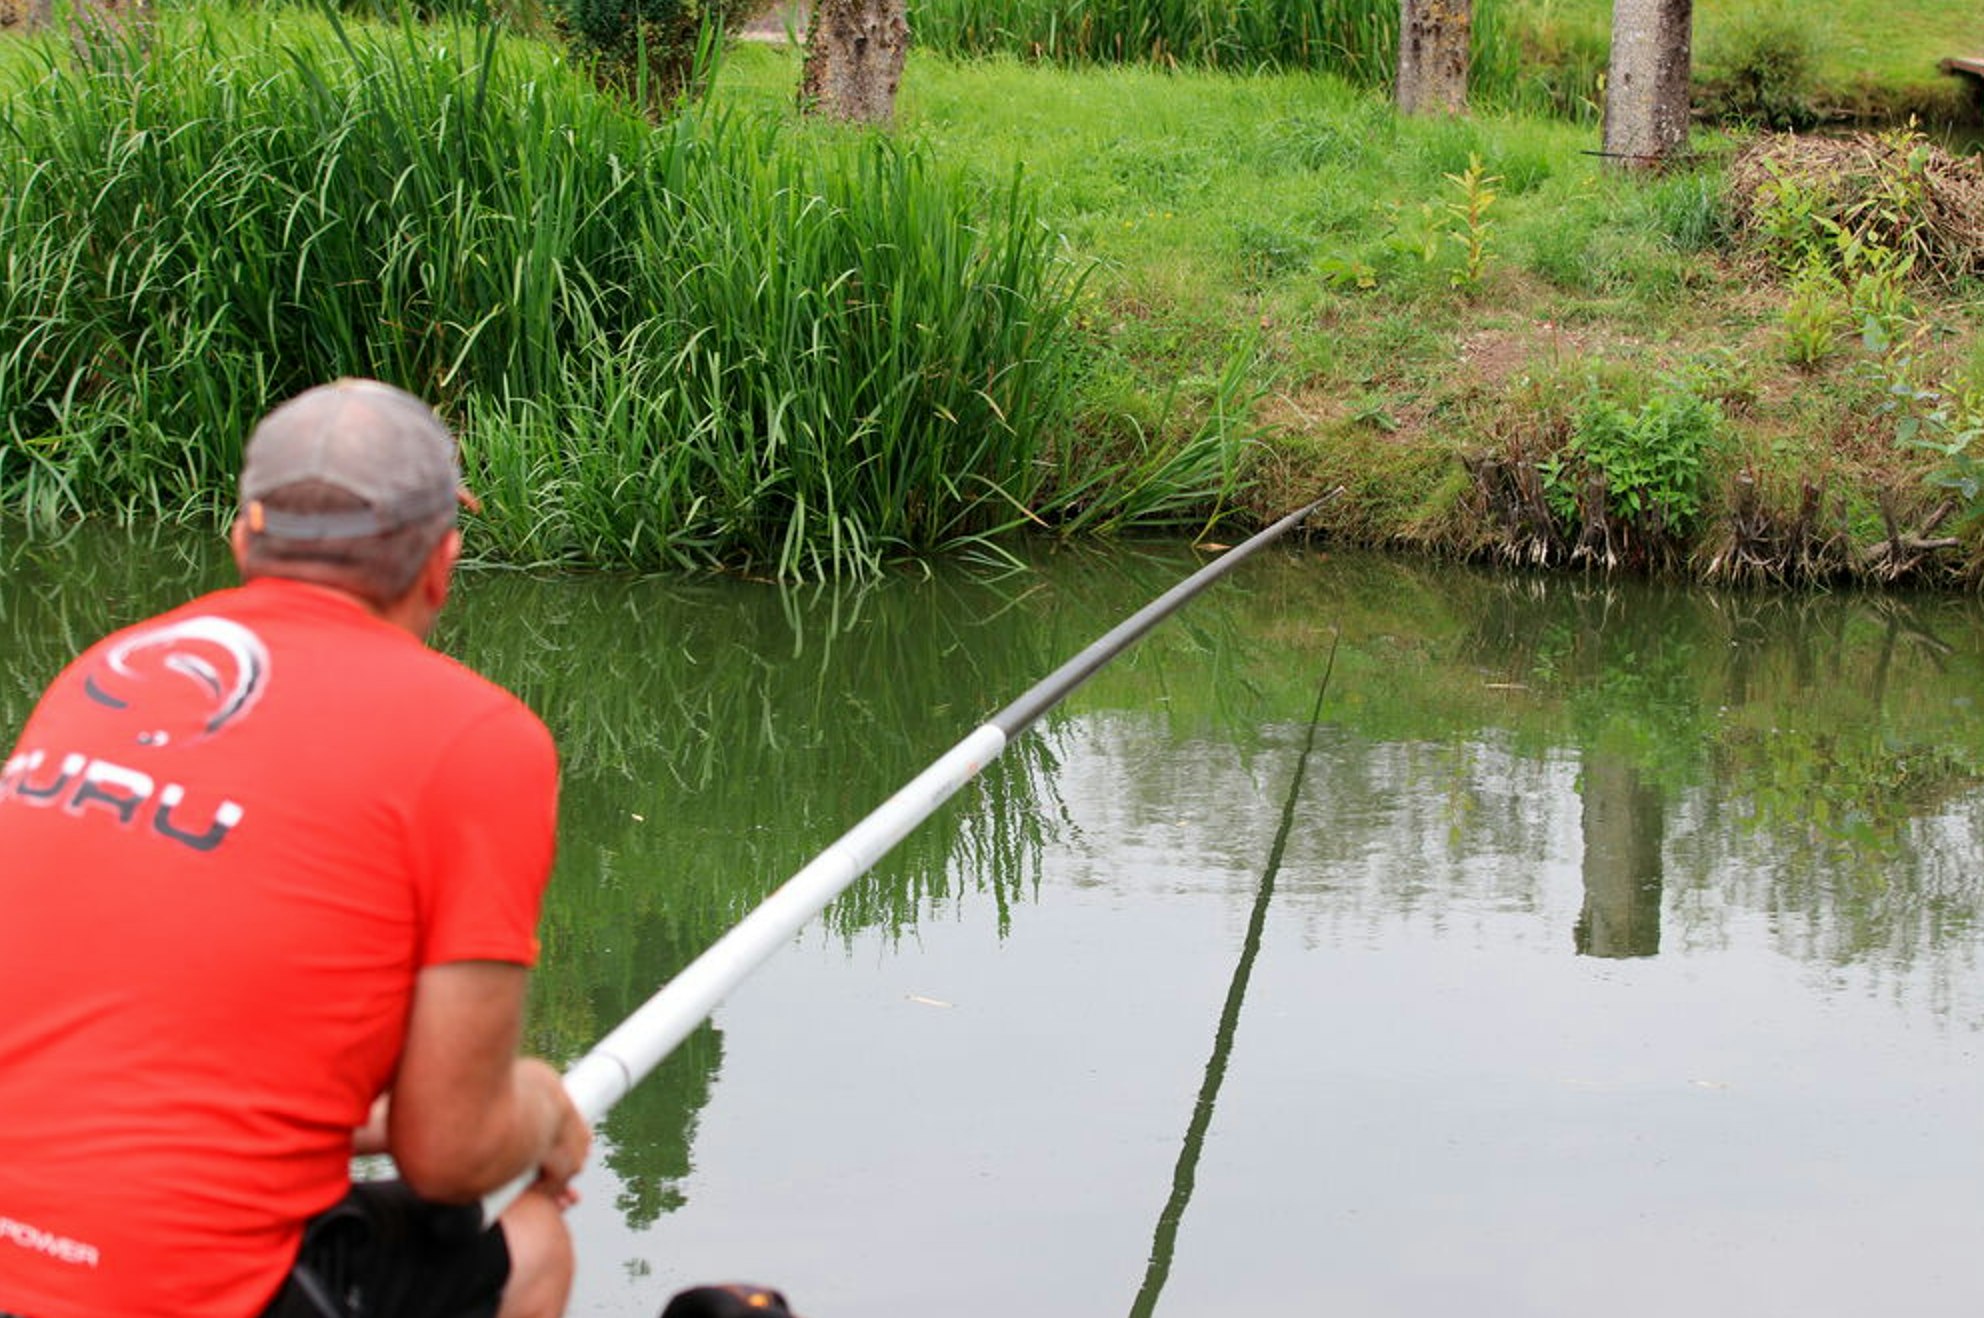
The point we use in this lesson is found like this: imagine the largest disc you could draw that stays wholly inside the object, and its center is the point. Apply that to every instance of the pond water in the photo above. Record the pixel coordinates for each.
(1587, 947)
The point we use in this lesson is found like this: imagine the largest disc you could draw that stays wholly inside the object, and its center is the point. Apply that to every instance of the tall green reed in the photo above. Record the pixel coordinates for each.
(720, 340)
(1354, 39)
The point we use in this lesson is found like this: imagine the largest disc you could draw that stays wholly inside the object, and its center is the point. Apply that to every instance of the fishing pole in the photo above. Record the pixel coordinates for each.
(637, 1045)
(1185, 1174)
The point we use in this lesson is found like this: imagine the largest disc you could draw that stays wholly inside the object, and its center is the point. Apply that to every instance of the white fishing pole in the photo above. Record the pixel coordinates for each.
(625, 1056)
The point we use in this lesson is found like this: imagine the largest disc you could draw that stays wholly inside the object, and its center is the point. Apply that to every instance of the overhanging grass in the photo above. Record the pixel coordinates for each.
(721, 341)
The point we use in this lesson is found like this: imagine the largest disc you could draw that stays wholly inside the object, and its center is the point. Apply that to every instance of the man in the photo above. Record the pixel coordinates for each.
(269, 877)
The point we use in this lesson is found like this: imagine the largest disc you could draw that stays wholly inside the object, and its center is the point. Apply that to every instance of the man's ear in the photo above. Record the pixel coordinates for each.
(439, 568)
(237, 540)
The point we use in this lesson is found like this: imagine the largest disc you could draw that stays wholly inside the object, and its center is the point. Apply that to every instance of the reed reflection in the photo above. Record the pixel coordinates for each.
(1814, 757)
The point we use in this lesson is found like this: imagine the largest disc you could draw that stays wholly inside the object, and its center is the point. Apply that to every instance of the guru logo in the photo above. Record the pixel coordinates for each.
(184, 680)
(169, 685)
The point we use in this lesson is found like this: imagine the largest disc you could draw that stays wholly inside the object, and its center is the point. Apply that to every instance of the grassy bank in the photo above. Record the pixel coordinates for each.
(1443, 308)
(723, 341)
(1779, 62)
(1074, 298)
(1851, 59)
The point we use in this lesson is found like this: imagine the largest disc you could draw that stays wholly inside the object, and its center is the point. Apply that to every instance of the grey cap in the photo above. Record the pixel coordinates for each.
(377, 443)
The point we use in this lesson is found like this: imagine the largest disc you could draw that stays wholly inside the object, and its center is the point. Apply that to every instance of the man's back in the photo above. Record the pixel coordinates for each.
(232, 838)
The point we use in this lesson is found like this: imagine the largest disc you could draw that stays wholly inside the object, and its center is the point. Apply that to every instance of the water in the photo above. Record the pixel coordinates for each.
(1616, 949)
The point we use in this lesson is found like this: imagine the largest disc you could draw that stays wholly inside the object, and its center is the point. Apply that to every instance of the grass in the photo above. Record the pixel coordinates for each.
(1354, 39)
(1856, 43)
(1855, 57)
(724, 341)
(1221, 256)
(1299, 214)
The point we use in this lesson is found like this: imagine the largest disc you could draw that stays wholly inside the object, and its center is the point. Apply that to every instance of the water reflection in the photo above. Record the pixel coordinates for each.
(1164, 1243)
(1624, 829)
(1610, 777)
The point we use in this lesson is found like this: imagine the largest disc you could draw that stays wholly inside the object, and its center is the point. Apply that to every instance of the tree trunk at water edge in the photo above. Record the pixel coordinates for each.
(1646, 81)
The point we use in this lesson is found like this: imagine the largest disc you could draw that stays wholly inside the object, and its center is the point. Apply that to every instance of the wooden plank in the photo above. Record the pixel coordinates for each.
(1965, 68)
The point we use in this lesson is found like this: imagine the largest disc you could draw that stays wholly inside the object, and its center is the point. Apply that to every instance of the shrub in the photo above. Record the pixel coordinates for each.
(649, 51)
(1768, 71)
(1634, 477)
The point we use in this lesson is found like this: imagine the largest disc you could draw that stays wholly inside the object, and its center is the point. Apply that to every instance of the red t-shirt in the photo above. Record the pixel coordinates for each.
(230, 837)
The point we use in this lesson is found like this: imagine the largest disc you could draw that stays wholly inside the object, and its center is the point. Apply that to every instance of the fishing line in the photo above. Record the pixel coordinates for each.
(1185, 1175)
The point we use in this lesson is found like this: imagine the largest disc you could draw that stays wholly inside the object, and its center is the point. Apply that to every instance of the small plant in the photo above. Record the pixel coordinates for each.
(1946, 422)
(1815, 317)
(1465, 221)
(1792, 219)
(1348, 272)
(1268, 251)
(1892, 213)
(1649, 463)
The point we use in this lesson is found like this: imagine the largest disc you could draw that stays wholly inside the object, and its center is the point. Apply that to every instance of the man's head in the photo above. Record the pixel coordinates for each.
(352, 485)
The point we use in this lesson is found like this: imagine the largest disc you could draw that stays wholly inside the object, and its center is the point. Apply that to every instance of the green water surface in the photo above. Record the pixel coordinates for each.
(1614, 952)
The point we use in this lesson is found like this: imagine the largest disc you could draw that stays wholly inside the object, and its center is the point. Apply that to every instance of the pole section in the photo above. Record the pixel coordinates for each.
(631, 1050)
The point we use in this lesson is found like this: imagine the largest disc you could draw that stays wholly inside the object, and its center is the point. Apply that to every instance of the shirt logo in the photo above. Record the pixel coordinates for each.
(182, 681)
(175, 684)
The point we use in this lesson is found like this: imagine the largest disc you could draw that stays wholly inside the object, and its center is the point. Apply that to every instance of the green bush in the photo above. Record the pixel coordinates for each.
(649, 51)
(1650, 461)
(1768, 64)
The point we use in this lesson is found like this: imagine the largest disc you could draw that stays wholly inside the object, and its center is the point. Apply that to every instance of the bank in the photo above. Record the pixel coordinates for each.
(1254, 288)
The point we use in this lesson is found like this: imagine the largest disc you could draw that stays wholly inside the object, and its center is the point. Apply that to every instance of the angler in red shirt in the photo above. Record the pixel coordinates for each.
(270, 870)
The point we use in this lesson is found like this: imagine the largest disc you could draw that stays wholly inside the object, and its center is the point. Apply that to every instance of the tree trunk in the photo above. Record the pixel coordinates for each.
(1433, 51)
(20, 16)
(1646, 82)
(854, 55)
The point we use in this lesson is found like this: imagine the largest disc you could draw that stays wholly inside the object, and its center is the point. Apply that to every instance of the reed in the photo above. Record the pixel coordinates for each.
(1354, 39)
(720, 340)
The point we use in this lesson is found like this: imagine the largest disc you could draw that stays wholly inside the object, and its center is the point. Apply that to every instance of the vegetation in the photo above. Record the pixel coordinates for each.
(1778, 63)
(708, 342)
(649, 51)
(1060, 297)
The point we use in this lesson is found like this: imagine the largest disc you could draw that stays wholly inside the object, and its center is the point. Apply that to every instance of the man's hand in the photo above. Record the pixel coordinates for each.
(468, 1115)
(370, 1138)
(569, 1138)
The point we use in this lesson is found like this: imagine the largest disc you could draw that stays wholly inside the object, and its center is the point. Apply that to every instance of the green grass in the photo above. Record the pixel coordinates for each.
(1866, 54)
(1856, 40)
(728, 340)
(737, 339)
(1298, 214)
(1864, 57)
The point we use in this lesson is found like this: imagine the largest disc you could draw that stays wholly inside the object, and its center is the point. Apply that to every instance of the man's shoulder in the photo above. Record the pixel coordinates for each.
(474, 696)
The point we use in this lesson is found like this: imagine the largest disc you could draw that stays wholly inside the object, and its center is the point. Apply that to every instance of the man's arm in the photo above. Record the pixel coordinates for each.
(467, 1114)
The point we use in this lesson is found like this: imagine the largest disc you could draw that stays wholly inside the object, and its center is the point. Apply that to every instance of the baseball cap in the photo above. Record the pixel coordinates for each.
(377, 443)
